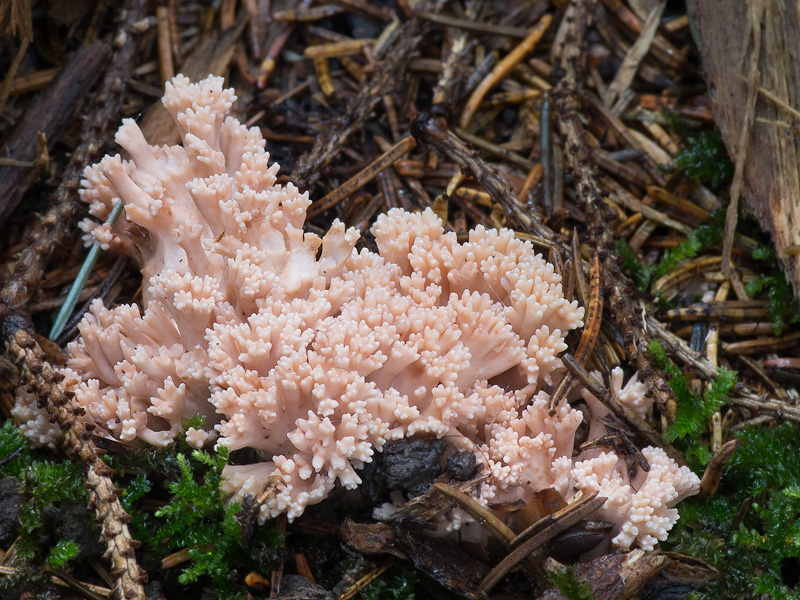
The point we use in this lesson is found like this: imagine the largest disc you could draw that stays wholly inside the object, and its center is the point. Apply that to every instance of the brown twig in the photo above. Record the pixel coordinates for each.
(502, 68)
(489, 520)
(477, 27)
(593, 320)
(363, 177)
(538, 533)
(432, 130)
(52, 113)
(713, 473)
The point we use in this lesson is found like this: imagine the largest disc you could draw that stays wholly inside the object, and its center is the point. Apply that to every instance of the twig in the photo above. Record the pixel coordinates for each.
(681, 350)
(637, 52)
(503, 67)
(713, 472)
(433, 130)
(541, 531)
(625, 311)
(101, 291)
(359, 180)
(734, 310)
(623, 412)
(165, 61)
(487, 519)
(363, 581)
(483, 144)
(477, 27)
(477, 511)
(93, 592)
(545, 153)
(593, 320)
(8, 80)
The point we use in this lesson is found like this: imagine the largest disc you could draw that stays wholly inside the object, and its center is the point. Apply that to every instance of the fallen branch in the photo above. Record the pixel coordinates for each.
(52, 114)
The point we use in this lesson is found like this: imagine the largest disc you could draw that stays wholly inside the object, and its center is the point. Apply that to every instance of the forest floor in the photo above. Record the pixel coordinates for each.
(585, 127)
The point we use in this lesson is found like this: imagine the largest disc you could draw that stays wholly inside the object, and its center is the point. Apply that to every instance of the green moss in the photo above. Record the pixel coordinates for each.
(63, 552)
(694, 410)
(641, 273)
(781, 304)
(705, 236)
(573, 587)
(698, 240)
(196, 517)
(749, 545)
(15, 454)
(705, 158)
(399, 587)
(45, 483)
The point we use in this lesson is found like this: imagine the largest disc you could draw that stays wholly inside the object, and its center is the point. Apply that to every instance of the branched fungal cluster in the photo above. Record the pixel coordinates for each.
(314, 354)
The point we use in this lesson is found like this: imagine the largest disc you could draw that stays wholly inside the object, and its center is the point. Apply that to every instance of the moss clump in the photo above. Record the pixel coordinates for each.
(781, 304)
(63, 552)
(573, 587)
(749, 530)
(195, 518)
(399, 587)
(694, 410)
(45, 484)
(705, 158)
(15, 454)
(640, 273)
(698, 240)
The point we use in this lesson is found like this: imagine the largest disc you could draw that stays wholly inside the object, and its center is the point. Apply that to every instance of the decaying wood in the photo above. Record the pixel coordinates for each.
(771, 171)
(616, 576)
(51, 114)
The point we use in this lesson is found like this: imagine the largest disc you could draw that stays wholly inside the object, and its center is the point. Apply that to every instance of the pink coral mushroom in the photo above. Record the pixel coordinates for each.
(310, 352)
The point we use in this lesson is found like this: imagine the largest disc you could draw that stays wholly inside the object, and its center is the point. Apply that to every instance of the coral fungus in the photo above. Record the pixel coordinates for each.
(314, 354)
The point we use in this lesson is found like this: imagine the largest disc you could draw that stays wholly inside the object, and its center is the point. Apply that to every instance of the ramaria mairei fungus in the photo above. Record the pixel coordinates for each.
(314, 354)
